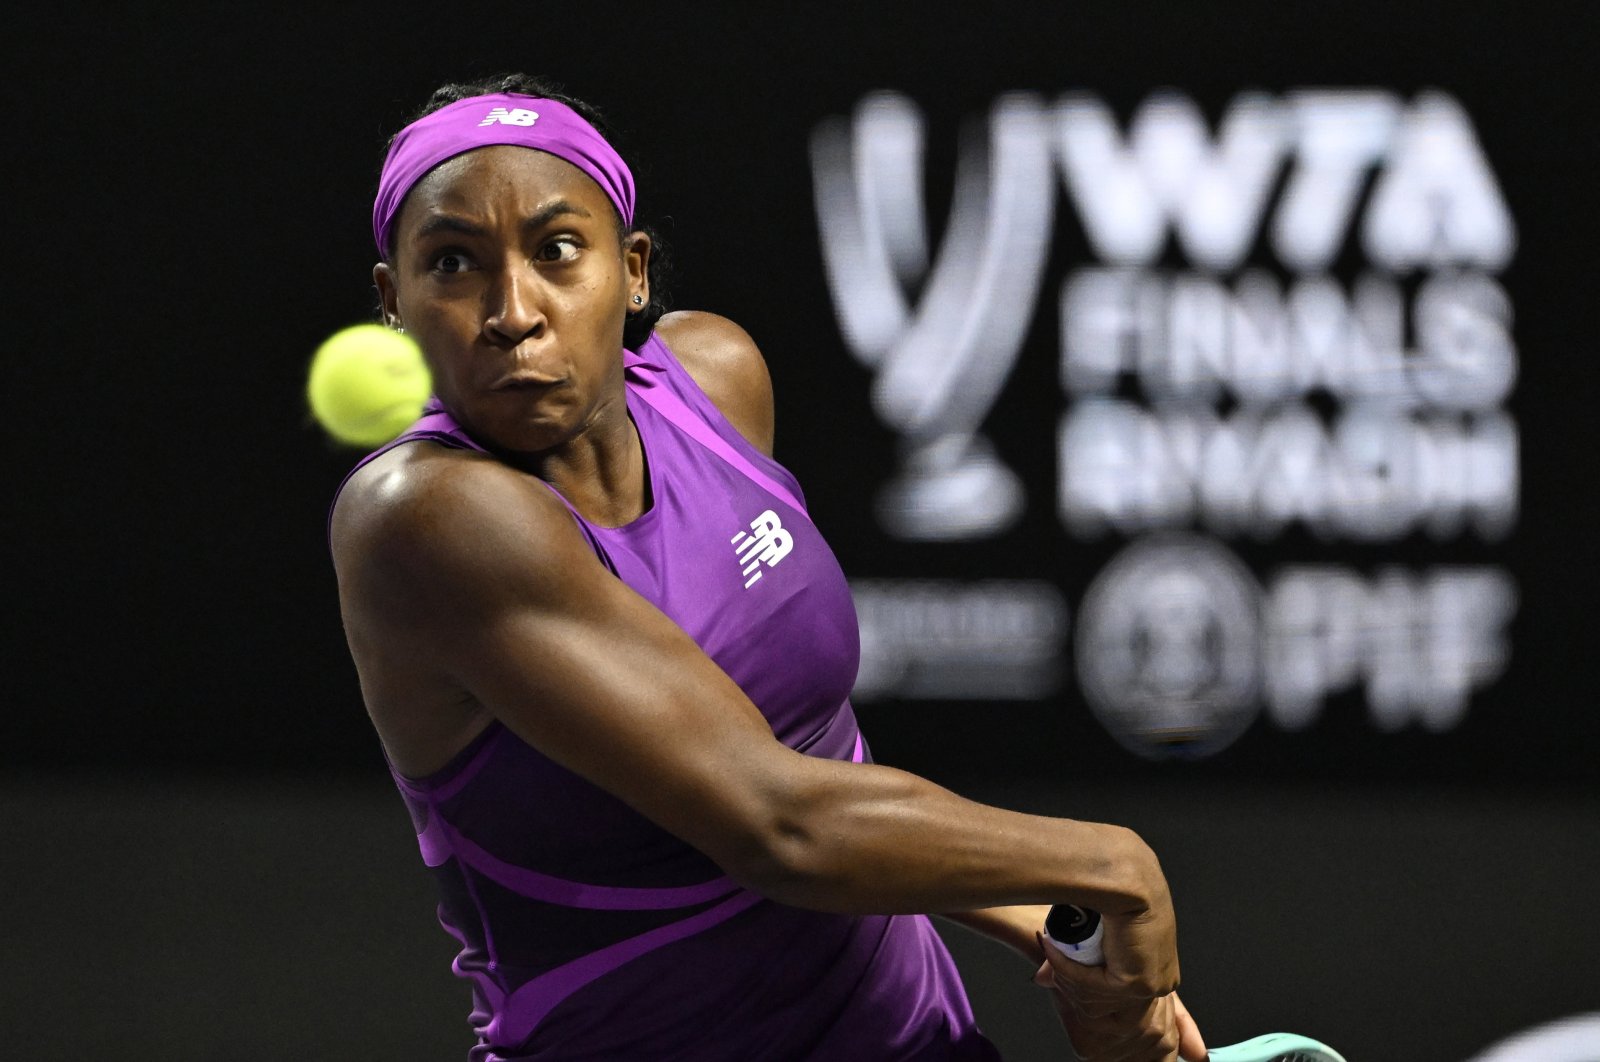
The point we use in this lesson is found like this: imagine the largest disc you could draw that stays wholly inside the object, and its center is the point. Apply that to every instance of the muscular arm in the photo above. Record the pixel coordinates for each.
(451, 565)
(1015, 926)
(725, 361)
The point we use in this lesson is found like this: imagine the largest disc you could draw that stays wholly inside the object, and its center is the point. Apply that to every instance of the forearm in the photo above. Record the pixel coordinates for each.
(874, 839)
(1016, 926)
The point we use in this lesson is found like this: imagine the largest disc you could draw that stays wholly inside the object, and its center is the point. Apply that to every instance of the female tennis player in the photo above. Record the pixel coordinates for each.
(608, 655)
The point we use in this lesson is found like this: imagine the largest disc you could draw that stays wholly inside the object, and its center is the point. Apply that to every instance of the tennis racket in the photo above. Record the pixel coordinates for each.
(1077, 932)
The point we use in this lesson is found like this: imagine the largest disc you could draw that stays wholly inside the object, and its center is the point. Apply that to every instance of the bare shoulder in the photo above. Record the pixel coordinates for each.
(725, 361)
(407, 494)
(713, 348)
(433, 548)
(422, 521)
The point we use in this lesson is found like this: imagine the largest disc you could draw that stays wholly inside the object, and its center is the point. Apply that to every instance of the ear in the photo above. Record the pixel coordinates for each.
(636, 248)
(388, 295)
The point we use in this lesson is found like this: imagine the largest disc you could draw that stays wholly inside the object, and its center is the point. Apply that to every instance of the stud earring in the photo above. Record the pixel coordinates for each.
(638, 300)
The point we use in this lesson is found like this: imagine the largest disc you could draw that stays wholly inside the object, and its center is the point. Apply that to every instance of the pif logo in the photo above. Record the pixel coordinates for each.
(514, 116)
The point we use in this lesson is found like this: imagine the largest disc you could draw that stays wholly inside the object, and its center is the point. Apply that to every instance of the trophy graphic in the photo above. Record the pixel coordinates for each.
(941, 336)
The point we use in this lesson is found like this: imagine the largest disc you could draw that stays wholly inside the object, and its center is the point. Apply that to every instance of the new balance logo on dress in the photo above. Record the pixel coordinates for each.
(514, 116)
(766, 543)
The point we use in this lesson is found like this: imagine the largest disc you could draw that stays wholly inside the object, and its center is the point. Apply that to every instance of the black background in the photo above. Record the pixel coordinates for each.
(189, 206)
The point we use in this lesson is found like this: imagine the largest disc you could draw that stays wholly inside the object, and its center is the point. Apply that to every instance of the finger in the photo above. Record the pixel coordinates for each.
(1147, 1034)
(1096, 1038)
(1145, 1045)
(1091, 1047)
(1191, 1047)
(1091, 998)
(1074, 972)
(1091, 982)
(1085, 982)
(1092, 1006)
(1100, 1009)
(1153, 1038)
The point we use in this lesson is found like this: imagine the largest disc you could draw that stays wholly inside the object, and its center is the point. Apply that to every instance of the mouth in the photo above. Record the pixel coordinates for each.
(525, 381)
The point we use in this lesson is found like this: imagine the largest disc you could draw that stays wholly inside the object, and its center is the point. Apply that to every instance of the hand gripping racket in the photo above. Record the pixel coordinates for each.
(1077, 932)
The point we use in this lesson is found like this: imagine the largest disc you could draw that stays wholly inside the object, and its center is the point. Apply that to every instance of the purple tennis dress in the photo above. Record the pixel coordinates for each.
(586, 931)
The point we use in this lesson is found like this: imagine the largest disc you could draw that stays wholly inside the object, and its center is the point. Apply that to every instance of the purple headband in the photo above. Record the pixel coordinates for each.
(526, 121)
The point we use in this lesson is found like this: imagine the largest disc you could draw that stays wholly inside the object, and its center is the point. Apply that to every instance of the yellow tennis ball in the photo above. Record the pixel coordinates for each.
(367, 384)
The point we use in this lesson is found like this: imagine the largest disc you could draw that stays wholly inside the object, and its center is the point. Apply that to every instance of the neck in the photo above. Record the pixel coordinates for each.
(600, 471)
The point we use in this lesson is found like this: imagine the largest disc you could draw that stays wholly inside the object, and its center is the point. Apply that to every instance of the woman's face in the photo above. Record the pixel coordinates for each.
(509, 273)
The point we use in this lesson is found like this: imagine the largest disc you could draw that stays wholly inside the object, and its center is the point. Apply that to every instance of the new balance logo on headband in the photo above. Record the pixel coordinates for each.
(514, 116)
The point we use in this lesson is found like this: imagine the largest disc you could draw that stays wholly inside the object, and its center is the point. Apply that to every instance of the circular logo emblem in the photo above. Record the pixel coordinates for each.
(1168, 647)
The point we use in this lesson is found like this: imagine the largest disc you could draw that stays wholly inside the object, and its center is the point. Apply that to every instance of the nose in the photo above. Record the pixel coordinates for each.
(513, 310)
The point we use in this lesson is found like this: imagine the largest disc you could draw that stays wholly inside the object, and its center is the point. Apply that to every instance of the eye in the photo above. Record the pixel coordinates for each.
(450, 262)
(559, 249)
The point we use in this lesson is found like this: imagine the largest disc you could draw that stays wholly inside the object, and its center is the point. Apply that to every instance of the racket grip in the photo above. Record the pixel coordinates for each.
(1077, 932)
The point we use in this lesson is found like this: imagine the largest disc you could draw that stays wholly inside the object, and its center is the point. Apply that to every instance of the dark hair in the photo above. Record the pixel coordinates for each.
(638, 325)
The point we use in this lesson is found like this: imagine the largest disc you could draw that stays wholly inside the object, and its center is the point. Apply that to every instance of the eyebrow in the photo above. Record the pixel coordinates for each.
(452, 223)
(553, 211)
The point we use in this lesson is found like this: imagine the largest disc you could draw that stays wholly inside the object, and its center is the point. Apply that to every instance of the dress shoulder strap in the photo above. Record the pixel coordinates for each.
(651, 384)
